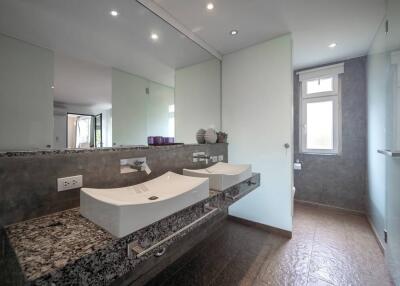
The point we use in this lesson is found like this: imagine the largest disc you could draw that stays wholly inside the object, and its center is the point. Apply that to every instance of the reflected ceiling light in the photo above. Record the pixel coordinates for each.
(233, 32)
(114, 13)
(154, 36)
(333, 45)
(210, 6)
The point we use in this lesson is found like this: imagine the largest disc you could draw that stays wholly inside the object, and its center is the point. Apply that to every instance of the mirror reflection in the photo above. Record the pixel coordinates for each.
(89, 74)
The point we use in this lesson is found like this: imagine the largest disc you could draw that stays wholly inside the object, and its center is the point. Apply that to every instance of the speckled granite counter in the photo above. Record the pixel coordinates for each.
(67, 249)
(41, 152)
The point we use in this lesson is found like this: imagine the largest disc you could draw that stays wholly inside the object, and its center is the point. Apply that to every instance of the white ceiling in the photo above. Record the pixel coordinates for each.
(314, 24)
(84, 29)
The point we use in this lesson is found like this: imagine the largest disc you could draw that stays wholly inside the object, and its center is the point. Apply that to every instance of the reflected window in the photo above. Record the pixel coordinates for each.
(84, 131)
(83, 134)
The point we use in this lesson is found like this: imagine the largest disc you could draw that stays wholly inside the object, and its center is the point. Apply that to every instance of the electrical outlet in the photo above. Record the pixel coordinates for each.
(220, 158)
(214, 159)
(69, 183)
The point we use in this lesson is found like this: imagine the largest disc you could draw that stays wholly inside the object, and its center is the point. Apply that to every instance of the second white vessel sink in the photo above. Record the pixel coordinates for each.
(124, 210)
(222, 175)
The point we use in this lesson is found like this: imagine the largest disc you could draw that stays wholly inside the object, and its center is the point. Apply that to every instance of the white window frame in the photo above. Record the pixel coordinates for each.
(333, 72)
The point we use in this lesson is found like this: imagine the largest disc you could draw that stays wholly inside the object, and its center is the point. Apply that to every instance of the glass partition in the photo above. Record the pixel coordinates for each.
(384, 134)
(393, 139)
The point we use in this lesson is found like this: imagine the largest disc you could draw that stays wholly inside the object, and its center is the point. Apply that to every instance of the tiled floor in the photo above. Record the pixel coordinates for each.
(327, 248)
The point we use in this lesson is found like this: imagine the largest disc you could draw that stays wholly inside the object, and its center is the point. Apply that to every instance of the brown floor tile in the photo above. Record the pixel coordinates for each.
(286, 269)
(328, 247)
(242, 270)
(335, 271)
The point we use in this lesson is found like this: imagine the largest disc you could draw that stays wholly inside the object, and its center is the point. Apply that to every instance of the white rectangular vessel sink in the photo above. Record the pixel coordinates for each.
(222, 175)
(122, 211)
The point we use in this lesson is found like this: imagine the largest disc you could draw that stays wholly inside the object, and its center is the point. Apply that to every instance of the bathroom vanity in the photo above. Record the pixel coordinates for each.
(65, 248)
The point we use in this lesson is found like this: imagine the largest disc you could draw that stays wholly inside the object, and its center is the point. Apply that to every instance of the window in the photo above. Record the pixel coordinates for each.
(320, 119)
(320, 85)
(84, 131)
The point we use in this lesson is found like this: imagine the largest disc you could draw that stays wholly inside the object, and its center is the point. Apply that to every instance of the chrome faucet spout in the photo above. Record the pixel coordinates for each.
(134, 165)
(202, 157)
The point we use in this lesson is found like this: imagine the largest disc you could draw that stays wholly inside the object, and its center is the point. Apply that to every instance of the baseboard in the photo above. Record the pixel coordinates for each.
(271, 229)
(325, 206)
(378, 239)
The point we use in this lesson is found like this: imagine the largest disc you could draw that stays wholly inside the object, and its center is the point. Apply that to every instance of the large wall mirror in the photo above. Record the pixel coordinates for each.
(97, 73)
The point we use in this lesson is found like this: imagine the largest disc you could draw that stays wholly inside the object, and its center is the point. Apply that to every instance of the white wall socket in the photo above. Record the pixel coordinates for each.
(220, 158)
(69, 183)
(214, 159)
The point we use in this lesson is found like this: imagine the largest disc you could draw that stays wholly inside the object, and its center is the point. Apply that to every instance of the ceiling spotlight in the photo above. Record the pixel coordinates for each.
(233, 32)
(333, 45)
(52, 87)
(210, 6)
(114, 13)
(154, 36)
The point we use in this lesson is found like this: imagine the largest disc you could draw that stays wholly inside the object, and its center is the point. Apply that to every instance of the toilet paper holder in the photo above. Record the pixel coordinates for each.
(297, 165)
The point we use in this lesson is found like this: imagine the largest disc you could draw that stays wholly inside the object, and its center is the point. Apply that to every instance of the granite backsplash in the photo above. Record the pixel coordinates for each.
(28, 180)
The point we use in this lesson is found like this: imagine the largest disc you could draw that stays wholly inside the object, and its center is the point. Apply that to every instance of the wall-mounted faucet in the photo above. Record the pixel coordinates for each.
(134, 165)
(202, 157)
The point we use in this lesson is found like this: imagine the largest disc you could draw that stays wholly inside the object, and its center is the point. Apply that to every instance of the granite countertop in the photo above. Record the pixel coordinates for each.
(23, 153)
(49, 243)
(65, 248)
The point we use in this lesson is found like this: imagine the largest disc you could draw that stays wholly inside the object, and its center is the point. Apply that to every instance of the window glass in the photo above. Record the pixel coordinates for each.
(319, 125)
(83, 132)
(320, 85)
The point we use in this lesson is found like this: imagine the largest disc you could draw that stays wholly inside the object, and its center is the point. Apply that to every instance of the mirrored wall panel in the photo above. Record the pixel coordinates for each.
(95, 73)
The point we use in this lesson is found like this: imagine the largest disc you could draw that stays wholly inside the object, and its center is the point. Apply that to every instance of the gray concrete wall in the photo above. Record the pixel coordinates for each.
(28, 183)
(338, 180)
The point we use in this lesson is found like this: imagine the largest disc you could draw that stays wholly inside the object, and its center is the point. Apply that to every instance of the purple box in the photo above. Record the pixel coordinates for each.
(169, 140)
(150, 140)
(158, 140)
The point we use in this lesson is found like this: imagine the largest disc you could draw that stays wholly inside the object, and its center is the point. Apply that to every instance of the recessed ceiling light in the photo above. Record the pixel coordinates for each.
(333, 45)
(154, 36)
(210, 6)
(114, 13)
(52, 86)
(233, 32)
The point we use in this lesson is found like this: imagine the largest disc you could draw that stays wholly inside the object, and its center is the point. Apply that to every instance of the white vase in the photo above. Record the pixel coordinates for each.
(200, 136)
(211, 136)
